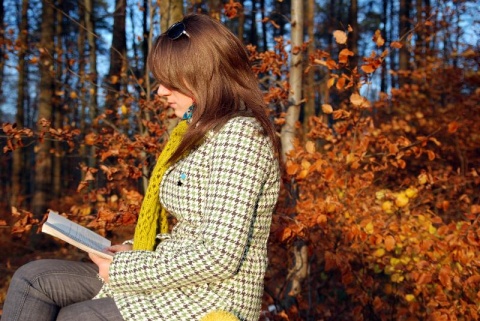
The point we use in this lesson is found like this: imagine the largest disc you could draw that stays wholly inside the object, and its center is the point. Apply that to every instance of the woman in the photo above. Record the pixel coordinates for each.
(218, 176)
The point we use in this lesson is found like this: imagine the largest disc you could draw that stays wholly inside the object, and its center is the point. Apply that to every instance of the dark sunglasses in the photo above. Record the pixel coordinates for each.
(176, 31)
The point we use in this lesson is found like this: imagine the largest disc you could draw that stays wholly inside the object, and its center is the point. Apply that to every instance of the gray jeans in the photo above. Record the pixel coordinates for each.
(47, 290)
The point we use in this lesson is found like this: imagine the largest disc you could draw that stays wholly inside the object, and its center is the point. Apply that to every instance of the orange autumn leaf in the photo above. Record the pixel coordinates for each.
(378, 39)
(331, 82)
(328, 174)
(310, 147)
(321, 219)
(431, 155)
(320, 62)
(331, 64)
(113, 79)
(341, 83)
(279, 121)
(445, 278)
(389, 243)
(367, 68)
(396, 44)
(344, 54)
(231, 8)
(473, 279)
(340, 37)
(327, 109)
(452, 127)
(292, 168)
(356, 99)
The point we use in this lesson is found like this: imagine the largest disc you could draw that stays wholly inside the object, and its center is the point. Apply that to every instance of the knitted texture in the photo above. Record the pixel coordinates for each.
(149, 218)
(219, 316)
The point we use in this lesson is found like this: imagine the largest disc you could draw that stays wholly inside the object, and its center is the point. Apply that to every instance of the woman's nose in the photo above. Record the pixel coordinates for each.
(163, 91)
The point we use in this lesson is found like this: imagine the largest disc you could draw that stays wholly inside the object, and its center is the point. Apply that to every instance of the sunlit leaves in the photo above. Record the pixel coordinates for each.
(23, 221)
(393, 232)
(15, 136)
(340, 37)
(378, 39)
(359, 101)
(396, 44)
(452, 127)
(344, 54)
(310, 147)
(327, 109)
(231, 8)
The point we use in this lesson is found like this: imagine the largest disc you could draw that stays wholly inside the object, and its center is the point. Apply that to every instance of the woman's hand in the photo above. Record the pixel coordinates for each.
(104, 264)
(119, 248)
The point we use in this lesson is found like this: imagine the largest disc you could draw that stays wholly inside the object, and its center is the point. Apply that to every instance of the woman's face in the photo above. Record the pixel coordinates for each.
(176, 100)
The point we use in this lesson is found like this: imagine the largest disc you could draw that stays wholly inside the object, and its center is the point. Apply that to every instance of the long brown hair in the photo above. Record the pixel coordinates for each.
(211, 65)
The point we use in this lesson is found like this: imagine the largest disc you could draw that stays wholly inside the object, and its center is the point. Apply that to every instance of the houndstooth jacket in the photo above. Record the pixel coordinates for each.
(222, 194)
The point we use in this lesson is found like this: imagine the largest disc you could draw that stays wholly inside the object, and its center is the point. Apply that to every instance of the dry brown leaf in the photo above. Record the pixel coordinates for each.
(340, 37)
(389, 243)
(396, 44)
(331, 82)
(452, 127)
(341, 83)
(331, 64)
(378, 39)
(327, 109)
(310, 147)
(357, 100)
(368, 69)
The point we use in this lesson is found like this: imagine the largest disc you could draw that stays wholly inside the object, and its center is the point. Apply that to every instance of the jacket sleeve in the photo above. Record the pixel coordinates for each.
(241, 161)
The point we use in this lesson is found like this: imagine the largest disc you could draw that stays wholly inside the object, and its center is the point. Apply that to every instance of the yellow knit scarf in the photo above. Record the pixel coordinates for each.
(149, 218)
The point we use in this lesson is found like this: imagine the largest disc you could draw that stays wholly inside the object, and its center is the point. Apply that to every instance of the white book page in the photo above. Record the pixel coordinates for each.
(76, 234)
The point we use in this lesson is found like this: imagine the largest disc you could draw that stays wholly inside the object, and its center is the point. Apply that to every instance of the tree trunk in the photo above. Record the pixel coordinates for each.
(353, 36)
(148, 43)
(393, 58)
(309, 88)
(82, 35)
(147, 8)
(215, 8)
(420, 34)
(241, 24)
(135, 65)
(296, 74)
(117, 71)
(2, 50)
(18, 161)
(384, 74)
(404, 27)
(43, 160)
(264, 26)
(298, 271)
(331, 24)
(253, 36)
(93, 74)
(58, 102)
(171, 11)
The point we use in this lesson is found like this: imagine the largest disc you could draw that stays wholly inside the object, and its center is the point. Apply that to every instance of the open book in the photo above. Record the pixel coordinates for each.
(77, 235)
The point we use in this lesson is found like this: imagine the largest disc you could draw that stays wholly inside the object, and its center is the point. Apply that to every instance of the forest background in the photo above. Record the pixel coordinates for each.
(376, 104)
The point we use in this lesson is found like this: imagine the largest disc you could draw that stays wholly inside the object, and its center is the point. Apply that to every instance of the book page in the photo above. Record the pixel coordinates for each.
(76, 235)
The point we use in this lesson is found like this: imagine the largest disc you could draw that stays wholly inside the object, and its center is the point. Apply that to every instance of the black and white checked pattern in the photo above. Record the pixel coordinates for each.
(217, 254)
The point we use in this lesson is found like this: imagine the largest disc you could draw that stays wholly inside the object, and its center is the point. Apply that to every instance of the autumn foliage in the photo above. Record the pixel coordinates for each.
(385, 192)
(386, 195)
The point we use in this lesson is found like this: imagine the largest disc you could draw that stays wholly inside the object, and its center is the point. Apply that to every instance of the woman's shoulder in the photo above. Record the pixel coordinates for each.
(244, 124)
(238, 128)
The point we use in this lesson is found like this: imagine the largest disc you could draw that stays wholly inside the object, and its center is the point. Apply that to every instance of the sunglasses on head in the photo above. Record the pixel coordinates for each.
(176, 31)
